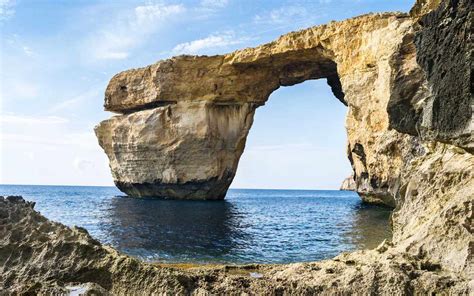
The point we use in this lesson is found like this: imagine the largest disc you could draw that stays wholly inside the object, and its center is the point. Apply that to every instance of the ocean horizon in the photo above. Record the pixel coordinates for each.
(231, 188)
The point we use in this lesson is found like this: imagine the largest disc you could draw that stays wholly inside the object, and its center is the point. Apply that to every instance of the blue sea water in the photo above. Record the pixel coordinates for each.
(249, 226)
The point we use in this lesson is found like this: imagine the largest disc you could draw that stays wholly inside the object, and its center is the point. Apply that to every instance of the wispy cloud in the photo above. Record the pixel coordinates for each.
(115, 40)
(211, 42)
(44, 130)
(214, 3)
(75, 101)
(7, 9)
(17, 43)
(21, 88)
(282, 15)
(82, 164)
(28, 51)
(12, 118)
(63, 151)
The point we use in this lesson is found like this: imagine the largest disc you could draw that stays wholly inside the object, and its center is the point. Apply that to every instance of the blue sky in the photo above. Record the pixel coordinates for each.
(57, 57)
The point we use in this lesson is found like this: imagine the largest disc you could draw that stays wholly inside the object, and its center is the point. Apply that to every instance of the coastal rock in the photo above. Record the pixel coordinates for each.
(184, 121)
(187, 150)
(423, 7)
(409, 123)
(435, 219)
(349, 184)
(443, 42)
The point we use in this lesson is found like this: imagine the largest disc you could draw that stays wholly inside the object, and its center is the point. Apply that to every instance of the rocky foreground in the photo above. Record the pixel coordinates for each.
(41, 257)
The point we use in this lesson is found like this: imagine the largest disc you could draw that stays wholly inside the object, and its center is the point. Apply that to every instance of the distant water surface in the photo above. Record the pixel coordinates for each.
(250, 226)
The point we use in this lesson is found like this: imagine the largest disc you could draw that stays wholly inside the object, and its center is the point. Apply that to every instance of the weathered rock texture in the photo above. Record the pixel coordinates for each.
(408, 85)
(185, 120)
(349, 184)
(445, 52)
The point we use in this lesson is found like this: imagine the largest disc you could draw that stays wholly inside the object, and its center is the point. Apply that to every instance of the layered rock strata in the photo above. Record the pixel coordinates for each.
(184, 121)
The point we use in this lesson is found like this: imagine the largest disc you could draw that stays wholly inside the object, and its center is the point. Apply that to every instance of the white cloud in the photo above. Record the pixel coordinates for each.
(82, 164)
(74, 102)
(214, 3)
(125, 33)
(50, 150)
(19, 71)
(17, 43)
(19, 89)
(28, 51)
(214, 41)
(11, 118)
(6, 9)
(282, 15)
(31, 155)
(148, 14)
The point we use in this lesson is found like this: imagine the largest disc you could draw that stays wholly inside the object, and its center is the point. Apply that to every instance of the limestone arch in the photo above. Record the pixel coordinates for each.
(184, 120)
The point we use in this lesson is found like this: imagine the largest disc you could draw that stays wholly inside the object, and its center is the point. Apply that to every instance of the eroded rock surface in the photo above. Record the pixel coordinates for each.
(445, 52)
(407, 83)
(185, 120)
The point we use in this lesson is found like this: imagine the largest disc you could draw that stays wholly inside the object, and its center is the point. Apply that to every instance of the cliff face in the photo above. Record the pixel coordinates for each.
(184, 121)
(445, 51)
(436, 197)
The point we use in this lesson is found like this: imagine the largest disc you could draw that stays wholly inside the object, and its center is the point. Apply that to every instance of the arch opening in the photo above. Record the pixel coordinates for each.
(299, 148)
(298, 136)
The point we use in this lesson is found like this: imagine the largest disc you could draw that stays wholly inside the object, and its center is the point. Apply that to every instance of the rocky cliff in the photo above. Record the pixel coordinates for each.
(184, 121)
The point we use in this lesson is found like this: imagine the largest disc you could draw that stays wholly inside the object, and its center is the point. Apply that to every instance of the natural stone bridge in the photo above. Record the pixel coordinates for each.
(184, 121)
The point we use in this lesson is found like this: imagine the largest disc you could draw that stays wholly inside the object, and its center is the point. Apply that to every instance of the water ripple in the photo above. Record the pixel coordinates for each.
(268, 226)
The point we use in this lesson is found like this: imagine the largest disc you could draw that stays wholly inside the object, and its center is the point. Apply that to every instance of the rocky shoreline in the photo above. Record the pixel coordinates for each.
(41, 257)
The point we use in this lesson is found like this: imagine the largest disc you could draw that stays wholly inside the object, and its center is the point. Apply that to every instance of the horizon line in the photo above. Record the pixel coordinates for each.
(113, 186)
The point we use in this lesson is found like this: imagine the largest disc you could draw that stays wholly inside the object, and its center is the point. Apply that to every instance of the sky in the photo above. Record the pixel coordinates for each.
(57, 56)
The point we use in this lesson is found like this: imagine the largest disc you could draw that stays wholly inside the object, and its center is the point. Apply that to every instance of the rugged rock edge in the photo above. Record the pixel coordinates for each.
(184, 121)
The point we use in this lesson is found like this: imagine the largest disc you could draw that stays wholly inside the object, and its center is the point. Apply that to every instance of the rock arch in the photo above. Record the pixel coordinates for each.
(183, 122)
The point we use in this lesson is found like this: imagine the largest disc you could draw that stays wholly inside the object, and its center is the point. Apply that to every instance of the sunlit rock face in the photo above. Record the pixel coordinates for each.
(184, 121)
(187, 150)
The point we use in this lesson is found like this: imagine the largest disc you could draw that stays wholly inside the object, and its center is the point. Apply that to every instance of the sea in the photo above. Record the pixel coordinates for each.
(249, 226)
